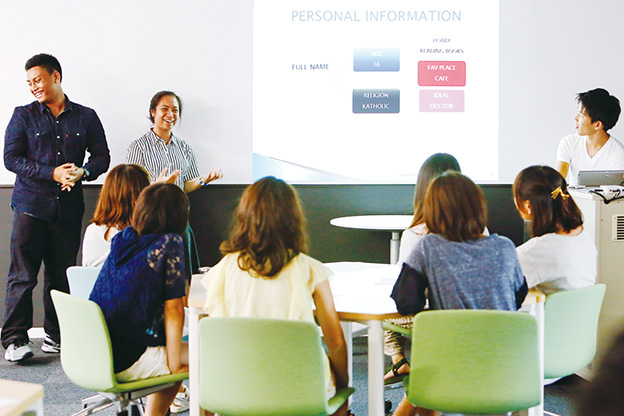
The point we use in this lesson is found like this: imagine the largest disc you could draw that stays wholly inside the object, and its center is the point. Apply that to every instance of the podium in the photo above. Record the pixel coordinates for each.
(605, 221)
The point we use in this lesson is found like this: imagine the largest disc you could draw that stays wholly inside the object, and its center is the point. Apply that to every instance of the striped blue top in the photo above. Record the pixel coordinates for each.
(151, 152)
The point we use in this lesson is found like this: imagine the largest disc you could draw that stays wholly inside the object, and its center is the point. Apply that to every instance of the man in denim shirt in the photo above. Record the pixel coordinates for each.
(45, 144)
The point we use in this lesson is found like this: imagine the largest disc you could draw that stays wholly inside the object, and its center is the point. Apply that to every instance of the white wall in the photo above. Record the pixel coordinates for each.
(117, 54)
(551, 50)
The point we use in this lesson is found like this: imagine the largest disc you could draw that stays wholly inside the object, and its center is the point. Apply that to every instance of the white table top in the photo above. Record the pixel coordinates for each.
(374, 222)
(16, 396)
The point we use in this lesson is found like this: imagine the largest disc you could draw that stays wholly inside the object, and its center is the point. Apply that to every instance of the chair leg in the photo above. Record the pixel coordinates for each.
(94, 404)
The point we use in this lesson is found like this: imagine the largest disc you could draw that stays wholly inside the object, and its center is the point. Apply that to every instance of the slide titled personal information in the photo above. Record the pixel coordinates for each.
(365, 91)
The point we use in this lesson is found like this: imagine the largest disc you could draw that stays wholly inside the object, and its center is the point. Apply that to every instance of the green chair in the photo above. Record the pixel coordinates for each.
(87, 358)
(262, 367)
(474, 362)
(570, 329)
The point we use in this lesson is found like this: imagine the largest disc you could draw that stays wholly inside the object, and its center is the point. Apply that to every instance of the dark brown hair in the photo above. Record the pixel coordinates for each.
(268, 229)
(600, 106)
(455, 208)
(156, 99)
(434, 166)
(161, 208)
(550, 212)
(119, 193)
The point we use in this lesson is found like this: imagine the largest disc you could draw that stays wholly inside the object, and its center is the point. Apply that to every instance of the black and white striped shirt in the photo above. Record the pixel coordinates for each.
(151, 152)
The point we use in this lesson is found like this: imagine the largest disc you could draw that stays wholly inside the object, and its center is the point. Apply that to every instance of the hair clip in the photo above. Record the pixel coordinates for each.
(557, 192)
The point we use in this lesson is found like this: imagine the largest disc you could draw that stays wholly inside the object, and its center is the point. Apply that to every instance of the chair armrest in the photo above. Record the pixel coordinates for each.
(406, 332)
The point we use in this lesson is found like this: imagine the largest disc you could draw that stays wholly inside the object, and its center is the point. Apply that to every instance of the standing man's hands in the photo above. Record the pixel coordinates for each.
(67, 175)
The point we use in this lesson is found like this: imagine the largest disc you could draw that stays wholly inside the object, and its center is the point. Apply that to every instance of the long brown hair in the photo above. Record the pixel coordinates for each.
(268, 229)
(161, 208)
(434, 166)
(455, 208)
(552, 207)
(119, 193)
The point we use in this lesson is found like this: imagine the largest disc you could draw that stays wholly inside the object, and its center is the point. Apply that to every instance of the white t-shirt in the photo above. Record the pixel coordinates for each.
(409, 239)
(573, 150)
(95, 247)
(555, 262)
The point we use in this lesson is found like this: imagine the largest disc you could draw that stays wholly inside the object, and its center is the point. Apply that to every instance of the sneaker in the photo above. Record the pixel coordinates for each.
(49, 346)
(181, 402)
(18, 351)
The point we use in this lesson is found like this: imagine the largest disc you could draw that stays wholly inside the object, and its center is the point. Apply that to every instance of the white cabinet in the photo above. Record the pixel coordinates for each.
(606, 223)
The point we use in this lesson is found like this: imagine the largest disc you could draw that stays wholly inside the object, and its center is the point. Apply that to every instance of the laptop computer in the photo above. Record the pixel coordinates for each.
(600, 177)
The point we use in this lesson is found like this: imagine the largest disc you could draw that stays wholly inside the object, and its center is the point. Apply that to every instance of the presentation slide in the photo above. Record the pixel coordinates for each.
(364, 91)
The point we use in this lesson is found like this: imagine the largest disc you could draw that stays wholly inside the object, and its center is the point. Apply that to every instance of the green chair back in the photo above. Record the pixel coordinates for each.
(253, 366)
(474, 361)
(86, 354)
(570, 329)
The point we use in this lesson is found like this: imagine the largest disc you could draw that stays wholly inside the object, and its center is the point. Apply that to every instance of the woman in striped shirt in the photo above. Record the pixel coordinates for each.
(163, 154)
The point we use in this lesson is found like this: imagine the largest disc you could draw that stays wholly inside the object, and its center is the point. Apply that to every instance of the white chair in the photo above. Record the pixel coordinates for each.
(81, 280)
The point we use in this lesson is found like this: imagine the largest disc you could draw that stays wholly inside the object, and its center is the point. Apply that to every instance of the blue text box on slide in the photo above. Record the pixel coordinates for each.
(376, 59)
(376, 101)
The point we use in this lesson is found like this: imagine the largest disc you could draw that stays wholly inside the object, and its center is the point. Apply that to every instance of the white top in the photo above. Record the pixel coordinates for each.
(573, 150)
(95, 247)
(555, 262)
(409, 239)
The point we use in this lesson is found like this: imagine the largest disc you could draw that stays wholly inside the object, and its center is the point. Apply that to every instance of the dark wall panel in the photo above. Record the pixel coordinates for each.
(212, 209)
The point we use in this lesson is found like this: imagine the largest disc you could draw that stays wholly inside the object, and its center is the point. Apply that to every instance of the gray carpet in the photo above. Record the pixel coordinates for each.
(62, 397)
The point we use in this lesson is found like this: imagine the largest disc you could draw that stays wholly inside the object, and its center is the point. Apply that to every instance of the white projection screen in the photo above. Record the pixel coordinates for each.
(364, 91)
(326, 92)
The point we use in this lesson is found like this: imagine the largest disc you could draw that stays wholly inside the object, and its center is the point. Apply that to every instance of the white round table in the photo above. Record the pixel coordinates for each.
(393, 223)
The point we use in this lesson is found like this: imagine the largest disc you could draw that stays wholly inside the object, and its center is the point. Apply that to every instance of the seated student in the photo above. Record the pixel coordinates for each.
(591, 148)
(113, 211)
(394, 343)
(560, 256)
(456, 264)
(434, 166)
(266, 274)
(140, 290)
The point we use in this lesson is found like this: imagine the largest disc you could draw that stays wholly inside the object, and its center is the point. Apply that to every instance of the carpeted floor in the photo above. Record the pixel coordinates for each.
(62, 397)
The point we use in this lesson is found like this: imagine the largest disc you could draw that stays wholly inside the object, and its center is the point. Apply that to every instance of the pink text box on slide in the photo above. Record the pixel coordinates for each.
(442, 73)
(441, 101)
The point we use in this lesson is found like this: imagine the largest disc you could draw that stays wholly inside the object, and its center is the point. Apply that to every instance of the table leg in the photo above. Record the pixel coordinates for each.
(194, 361)
(375, 369)
(537, 310)
(347, 329)
(395, 243)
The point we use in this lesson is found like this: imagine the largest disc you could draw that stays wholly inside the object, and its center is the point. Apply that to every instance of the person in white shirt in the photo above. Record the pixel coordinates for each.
(591, 148)
(113, 212)
(561, 255)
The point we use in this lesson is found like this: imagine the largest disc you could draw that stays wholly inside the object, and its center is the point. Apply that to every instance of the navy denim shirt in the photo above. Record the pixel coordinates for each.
(36, 143)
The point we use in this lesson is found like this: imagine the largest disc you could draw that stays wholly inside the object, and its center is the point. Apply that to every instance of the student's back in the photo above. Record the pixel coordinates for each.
(235, 292)
(476, 274)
